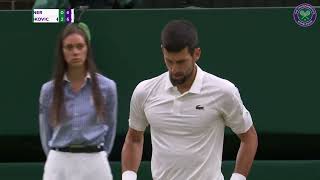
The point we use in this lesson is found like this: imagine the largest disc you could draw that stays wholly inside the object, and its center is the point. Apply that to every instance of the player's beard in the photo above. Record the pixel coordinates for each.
(182, 80)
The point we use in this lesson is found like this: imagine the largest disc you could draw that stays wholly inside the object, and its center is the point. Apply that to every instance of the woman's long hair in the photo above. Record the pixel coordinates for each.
(61, 67)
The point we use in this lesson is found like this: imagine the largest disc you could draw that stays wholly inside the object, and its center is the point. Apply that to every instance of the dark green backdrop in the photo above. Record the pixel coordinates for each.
(262, 170)
(273, 61)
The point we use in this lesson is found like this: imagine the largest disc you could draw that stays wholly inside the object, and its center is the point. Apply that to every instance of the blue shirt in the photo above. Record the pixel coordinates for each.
(80, 125)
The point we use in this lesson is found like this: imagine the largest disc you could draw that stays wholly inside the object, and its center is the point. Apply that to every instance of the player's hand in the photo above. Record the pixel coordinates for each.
(129, 175)
(237, 176)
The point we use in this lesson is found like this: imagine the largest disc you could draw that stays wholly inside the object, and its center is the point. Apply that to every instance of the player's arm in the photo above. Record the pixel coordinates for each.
(238, 118)
(133, 145)
(131, 154)
(246, 154)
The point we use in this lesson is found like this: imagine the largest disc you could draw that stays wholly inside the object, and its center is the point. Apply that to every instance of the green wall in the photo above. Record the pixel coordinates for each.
(273, 61)
(262, 170)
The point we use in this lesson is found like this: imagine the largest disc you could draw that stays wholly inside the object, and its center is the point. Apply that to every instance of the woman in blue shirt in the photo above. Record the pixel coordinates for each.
(78, 110)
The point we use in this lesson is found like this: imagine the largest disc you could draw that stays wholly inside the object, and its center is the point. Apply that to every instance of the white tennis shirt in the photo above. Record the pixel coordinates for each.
(187, 130)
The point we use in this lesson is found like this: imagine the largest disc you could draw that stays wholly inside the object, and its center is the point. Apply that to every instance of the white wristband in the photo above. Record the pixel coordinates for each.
(129, 175)
(237, 176)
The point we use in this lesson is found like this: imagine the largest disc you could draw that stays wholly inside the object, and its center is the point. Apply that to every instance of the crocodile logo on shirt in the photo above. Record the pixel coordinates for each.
(199, 107)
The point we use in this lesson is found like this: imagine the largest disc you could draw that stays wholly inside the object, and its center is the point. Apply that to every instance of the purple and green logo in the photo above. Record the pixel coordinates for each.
(305, 15)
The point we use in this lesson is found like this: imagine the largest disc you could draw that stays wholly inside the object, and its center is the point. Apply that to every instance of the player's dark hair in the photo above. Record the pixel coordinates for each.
(61, 67)
(179, 34)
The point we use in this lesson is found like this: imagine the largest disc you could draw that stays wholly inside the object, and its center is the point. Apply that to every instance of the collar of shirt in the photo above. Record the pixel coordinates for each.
(196, 85)
(65, 77)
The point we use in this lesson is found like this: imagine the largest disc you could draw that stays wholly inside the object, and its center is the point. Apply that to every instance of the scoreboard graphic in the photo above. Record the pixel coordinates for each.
(53, 16)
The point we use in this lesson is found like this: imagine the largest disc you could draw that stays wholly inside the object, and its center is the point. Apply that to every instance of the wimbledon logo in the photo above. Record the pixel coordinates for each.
(304, 15)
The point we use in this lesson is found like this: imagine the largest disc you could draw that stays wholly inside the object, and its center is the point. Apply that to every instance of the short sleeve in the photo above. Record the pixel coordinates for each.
(235, 114)
(137, 117)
